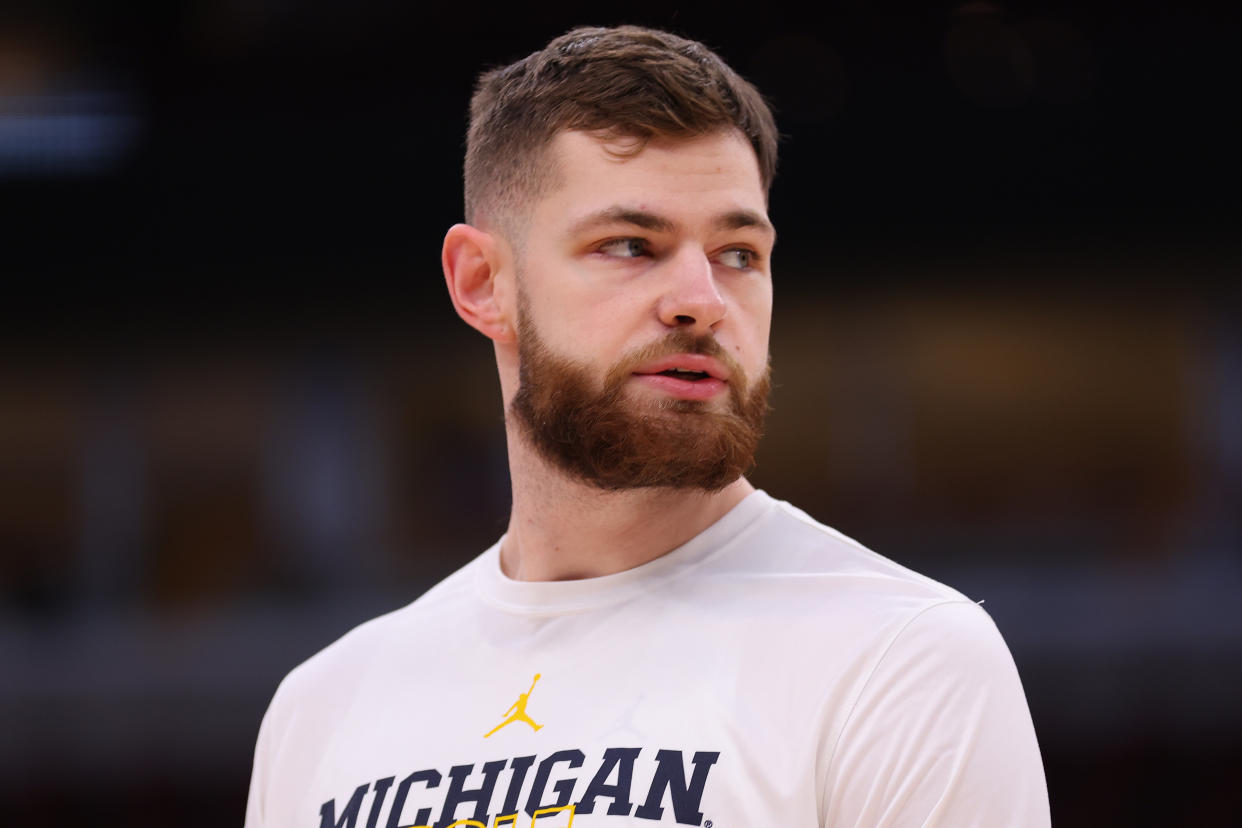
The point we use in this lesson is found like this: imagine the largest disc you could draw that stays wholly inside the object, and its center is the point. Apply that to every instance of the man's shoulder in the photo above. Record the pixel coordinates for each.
(349, 655)
(803, 587)
(794, 548)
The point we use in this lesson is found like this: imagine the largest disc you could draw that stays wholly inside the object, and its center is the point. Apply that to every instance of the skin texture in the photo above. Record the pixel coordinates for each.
(623, 251)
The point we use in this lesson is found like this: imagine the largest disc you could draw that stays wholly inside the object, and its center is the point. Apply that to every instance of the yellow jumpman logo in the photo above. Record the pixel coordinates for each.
(519, 711)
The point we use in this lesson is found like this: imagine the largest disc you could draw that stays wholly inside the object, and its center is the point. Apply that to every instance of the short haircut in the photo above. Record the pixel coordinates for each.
(623, 82)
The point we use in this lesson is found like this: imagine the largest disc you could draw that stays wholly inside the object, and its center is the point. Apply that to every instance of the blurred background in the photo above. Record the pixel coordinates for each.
(238, 415)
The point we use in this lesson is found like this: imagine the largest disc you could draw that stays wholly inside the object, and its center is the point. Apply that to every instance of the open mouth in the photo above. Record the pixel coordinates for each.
(684, 377)
(688, 376)
(683, 374)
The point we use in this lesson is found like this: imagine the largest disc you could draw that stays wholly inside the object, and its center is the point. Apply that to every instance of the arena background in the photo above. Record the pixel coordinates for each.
(238, 415)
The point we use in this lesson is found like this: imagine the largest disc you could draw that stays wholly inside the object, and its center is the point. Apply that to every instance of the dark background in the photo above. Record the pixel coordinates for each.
(237, 413)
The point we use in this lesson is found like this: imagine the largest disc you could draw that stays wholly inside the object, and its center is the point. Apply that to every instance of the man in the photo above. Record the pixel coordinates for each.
(701, 653)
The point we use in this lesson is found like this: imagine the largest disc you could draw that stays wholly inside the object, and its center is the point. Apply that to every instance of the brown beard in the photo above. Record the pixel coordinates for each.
(617, 443)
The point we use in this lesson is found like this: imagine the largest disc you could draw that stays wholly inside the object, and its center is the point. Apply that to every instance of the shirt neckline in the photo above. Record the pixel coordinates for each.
(558, 597)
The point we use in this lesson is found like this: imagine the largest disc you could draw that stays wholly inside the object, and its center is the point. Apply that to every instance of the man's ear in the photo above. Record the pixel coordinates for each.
(475, 270)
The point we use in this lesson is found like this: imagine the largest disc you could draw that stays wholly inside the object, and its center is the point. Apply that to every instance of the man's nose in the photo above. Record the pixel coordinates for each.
(690, 299)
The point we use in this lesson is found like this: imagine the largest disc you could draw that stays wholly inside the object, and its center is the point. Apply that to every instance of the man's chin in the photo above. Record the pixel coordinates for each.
(639, 430)
(641, 400)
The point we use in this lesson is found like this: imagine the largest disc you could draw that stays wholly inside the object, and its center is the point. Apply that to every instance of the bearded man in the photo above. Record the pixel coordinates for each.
(701, 653)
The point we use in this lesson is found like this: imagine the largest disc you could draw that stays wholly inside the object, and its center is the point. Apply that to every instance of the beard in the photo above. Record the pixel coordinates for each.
(615, 442)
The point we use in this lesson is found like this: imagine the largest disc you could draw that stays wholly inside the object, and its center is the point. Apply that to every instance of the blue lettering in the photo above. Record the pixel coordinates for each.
(563, 789)
(431, 779)
(623, 760)
(670, 777)
(519, 765)
(480, 796)
(349, 816)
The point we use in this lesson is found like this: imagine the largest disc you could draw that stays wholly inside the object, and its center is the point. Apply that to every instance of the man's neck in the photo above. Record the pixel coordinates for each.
(563, 529)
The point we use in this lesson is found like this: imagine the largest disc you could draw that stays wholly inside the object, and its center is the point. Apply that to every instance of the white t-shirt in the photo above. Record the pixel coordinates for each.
(769, 672)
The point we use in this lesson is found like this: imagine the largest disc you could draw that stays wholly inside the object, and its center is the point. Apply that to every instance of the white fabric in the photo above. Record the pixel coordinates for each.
(835, 687)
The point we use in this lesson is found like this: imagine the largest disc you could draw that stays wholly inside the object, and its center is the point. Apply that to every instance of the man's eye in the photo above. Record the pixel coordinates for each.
(624, 248)
(739, 258)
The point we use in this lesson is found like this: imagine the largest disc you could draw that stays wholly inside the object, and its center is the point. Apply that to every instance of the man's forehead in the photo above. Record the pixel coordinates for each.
(623, 149)
(606, 176)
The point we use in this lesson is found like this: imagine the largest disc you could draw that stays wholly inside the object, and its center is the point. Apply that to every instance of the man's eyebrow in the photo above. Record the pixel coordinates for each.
(622, 215)
(739, 219)
(731, 220)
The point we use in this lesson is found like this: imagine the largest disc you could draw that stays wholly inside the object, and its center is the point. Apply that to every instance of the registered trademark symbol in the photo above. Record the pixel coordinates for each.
(707, 824)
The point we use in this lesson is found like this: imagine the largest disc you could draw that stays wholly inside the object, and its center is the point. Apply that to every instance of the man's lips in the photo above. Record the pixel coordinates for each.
(709, 378)
(686, 362)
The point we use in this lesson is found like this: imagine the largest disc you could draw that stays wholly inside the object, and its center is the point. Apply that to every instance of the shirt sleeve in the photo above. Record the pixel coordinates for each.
(258, 776)
(940, 735)
(258, 805)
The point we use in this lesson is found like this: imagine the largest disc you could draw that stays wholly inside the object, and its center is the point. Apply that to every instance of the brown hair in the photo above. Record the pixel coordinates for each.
(622, 82)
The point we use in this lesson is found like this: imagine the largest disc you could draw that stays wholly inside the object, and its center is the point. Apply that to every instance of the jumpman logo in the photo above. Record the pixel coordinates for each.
(518, 711)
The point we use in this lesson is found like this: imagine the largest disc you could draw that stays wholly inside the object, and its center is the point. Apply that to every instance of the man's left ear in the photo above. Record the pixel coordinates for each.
(475, 269)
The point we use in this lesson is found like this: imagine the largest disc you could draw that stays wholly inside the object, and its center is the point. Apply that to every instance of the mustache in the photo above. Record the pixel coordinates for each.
(677, 342)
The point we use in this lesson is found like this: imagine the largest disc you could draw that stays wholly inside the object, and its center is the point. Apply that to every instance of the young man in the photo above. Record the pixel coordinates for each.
(653, 641)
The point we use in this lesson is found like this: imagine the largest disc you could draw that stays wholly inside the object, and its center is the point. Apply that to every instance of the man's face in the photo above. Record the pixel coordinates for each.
(633, 267)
